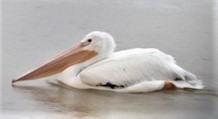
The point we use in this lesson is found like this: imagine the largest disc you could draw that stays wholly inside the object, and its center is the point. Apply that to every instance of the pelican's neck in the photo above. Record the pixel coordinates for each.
(74, 70)
(93, 60)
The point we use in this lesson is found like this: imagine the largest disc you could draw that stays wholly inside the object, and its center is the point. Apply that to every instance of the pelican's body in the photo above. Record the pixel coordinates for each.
(134, 70)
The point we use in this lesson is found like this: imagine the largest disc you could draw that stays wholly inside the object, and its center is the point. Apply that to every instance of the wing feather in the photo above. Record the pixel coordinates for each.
(129, 67)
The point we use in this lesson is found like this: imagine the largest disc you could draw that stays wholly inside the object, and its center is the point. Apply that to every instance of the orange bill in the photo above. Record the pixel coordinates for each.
(68, 58)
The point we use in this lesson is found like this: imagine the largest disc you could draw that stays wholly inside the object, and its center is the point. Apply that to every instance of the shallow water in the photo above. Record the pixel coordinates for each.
(34, 30)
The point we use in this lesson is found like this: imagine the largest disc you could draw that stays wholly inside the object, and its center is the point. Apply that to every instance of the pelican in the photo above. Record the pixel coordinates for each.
(93, 64)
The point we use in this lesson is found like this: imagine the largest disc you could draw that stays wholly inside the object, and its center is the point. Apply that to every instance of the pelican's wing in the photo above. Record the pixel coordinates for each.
(129, 67)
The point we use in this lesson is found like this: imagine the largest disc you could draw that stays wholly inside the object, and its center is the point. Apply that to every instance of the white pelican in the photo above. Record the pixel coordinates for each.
(93, 64)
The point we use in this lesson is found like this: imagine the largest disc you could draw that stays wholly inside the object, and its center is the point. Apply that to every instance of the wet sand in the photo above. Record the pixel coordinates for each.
(35, 30)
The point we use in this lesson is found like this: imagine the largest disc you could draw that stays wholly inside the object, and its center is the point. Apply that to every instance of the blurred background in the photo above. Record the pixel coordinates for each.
(35, 30)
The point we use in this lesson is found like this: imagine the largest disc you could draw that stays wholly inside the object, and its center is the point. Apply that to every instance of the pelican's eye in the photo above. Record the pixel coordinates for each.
(86, 42)
(89, 40)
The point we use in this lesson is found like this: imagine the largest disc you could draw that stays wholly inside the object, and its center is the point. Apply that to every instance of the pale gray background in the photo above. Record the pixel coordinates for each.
(35, 30)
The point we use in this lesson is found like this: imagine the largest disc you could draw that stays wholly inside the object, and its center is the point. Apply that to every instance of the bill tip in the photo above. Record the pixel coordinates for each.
(13, 81)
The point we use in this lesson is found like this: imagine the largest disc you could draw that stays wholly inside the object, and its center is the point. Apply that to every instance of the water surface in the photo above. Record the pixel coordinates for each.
(35, 30)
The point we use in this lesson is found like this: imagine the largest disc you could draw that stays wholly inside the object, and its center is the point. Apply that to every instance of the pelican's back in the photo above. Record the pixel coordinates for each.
(130, 67)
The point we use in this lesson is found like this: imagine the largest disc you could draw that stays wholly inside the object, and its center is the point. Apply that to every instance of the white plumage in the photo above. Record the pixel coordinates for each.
(134, 70)
(92, 64)
(129, 67)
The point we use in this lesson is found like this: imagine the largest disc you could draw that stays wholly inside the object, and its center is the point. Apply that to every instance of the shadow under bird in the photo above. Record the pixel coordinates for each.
(93, 64)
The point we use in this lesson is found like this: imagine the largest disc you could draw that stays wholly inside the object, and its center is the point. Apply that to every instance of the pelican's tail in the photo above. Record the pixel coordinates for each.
(189, 80)
(186, 79)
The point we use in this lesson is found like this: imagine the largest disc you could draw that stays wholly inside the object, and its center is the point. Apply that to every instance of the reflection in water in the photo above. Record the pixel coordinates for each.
(68, 102)
(59, 100)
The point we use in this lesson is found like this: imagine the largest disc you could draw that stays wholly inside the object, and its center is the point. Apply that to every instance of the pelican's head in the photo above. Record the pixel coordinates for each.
(100, 42)
(93, 47)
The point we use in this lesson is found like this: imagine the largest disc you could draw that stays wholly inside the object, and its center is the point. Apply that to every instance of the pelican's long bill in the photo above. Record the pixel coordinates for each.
(72, 56)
